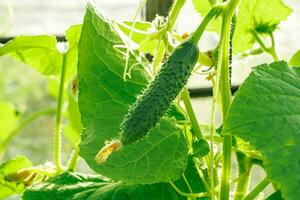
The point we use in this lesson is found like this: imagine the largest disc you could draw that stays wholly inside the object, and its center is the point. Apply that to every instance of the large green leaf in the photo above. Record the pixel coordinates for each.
(266, 113)
(260, 15)
(12, 166)
(74, 186)
(104, 98)
(39, 52)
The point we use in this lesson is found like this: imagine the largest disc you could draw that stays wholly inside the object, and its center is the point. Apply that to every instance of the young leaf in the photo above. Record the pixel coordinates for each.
(295, 60)
(265, 112)
(10, 167)
(259, 15)
(74, 186)
(39, 52)
(104, 98)
(262, 16)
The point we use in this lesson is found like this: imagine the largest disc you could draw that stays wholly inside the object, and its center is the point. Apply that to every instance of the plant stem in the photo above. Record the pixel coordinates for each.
(259, 188)
(244, 169)
(252, 52)
(160, 49)
(270, 50)
(196, 195)
(141, 5)
(159, 54)
(30, 118)
(189, 108)
(174, 12)
(57, 134)
(201, 175)
(273, 48)
(222, 81)
(195, 37)
(187, 183)
(74, 158)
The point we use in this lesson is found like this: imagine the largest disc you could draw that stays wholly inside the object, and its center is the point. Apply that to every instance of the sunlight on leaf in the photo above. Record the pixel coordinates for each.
(265, 112)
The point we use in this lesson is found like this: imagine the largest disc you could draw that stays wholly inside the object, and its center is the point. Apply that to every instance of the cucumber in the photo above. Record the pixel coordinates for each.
(156, 99)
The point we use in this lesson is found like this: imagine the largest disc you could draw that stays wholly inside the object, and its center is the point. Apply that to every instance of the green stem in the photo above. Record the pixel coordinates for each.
(74, 158)
(201, 175)
(258, 189)
(273, 48)
(189, 108)
(189, 195)
(270, 50)
(141, 5)
(159, 54)
(223, 82)
(57, 134)
(195, 37)
(252, 52)
(244, 169)
(187, 183)
(160, 49)
(30, 118)
(174, 12)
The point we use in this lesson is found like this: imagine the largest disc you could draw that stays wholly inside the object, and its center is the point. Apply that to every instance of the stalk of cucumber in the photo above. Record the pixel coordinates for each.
(156, 99)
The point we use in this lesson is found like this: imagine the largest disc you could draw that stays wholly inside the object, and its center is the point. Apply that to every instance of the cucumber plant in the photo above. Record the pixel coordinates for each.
(132, 117)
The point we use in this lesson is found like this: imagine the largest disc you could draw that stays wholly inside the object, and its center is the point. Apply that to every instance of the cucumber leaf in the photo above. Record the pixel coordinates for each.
(75, 186)
(262, 16)
(295, 60)
(39, 52)
(12, 166)
(265, 113)
(104, 99)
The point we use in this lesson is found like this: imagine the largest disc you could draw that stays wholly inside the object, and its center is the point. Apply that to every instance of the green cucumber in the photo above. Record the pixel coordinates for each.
(156, 99)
